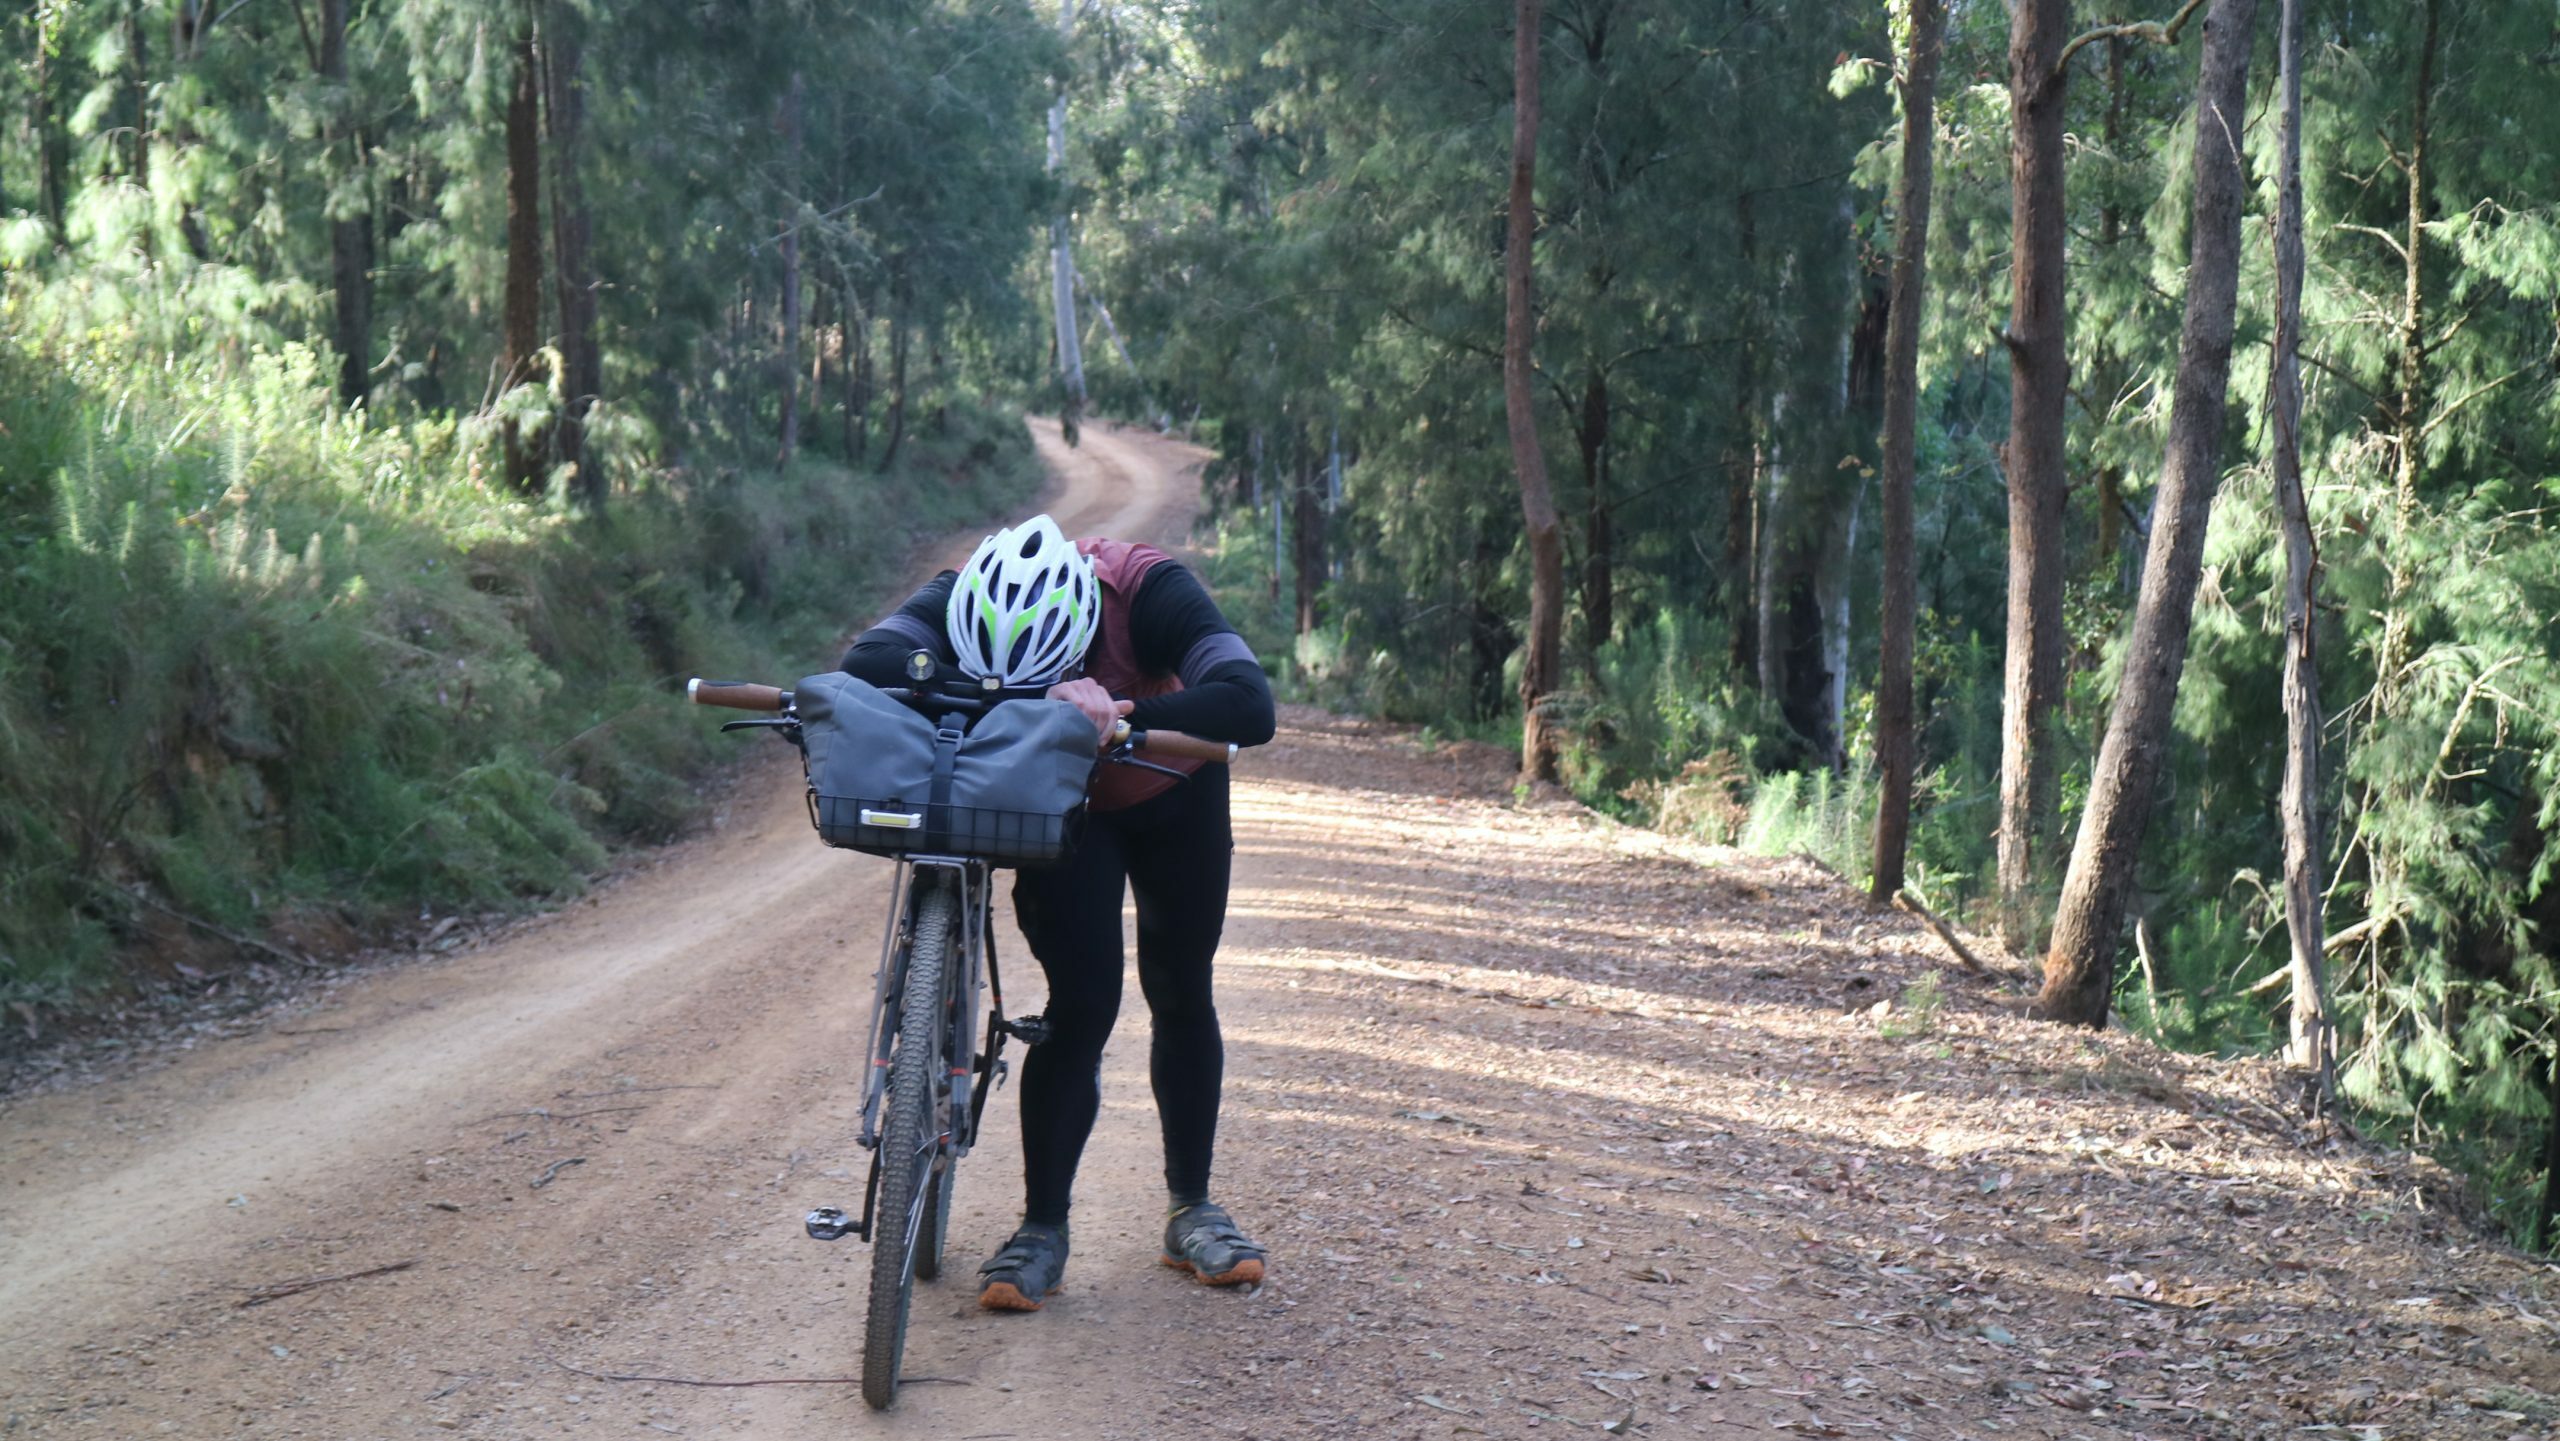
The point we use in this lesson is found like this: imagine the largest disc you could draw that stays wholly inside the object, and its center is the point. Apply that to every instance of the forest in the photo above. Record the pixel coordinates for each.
(2085, 470)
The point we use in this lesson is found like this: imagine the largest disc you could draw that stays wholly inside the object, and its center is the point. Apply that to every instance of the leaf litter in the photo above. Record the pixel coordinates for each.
(1640, 1127)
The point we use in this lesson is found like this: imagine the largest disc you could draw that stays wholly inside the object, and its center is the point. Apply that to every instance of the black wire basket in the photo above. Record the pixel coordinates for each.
(894, 828)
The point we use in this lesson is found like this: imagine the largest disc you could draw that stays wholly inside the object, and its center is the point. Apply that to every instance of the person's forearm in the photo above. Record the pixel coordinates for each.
(1231, 703)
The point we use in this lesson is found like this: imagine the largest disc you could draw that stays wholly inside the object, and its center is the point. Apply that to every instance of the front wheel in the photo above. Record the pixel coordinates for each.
(937, 1220)
(910, 1137)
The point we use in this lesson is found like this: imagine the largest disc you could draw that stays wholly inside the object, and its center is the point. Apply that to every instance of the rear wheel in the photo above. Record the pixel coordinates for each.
(905, 1221)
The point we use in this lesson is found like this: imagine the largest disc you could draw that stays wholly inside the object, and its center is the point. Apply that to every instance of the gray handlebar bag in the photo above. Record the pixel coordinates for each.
(883, 779)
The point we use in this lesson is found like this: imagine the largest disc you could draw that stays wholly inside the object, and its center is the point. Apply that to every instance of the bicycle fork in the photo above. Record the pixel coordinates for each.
(963, 1091)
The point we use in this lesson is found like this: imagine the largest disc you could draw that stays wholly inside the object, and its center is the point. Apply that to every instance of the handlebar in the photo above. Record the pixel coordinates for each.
(1173, 745)
(737, 694)
(1158, 745)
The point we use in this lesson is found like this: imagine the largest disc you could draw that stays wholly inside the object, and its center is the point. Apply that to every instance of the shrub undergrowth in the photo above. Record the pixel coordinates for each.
(260, 654)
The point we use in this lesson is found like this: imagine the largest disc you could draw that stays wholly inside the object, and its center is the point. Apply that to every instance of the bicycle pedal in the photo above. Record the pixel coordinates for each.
(1030, 1030)
(828, 1223)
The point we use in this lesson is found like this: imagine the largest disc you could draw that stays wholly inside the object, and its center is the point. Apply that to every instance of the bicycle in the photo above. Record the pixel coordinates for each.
(920, 1111)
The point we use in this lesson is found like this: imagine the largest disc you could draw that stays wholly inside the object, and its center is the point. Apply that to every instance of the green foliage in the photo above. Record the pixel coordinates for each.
(1302, 205)
(257, 653)
(1813, 813)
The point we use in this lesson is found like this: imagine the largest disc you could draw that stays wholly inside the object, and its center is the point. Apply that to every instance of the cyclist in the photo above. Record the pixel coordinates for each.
(1117, 630)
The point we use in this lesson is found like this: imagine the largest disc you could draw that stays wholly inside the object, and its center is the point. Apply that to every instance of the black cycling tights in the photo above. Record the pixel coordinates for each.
(1172, 853)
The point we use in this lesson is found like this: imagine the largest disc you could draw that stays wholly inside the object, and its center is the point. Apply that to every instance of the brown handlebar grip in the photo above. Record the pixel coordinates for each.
(1174, 745)
(736, 694)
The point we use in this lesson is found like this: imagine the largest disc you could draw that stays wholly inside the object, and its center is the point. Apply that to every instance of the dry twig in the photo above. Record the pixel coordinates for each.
(278, 1290)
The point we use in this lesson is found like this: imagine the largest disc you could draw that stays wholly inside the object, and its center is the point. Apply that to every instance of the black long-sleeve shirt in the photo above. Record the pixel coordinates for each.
(1174, 626)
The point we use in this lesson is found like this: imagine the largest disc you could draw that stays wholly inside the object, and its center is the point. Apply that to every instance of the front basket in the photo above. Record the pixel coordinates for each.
(899, 828)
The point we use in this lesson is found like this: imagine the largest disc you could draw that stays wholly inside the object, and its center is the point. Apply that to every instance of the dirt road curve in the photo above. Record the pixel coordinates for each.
(1550, 1126)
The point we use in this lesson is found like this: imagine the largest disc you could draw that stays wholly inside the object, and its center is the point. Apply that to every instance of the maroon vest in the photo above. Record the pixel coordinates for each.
(1120, 568)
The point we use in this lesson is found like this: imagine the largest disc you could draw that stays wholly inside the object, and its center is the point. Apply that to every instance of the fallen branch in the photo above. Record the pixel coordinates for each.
(544, 1113)
(278, 1290)
(547, 1177)
(1905, 902)
(769, 1381)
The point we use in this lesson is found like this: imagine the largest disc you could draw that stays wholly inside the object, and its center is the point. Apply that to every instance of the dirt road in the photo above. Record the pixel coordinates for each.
(1551, 1125)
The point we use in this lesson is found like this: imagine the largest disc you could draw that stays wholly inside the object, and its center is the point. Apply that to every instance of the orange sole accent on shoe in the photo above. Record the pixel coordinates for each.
(1005, 1296)
(1243, 1273)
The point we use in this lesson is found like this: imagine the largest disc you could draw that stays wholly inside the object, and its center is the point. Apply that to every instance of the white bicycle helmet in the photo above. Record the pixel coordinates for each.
(1025, 607)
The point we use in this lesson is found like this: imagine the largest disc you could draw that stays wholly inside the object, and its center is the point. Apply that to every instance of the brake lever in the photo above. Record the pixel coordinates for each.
(785, 723)
(1122, 756)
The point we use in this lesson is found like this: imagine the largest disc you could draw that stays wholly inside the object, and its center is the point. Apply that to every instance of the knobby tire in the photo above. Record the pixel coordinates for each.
(910, 1138)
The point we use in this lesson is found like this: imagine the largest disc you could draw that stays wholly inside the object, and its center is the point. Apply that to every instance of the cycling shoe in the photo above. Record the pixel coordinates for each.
(1203, 1240)
(1026, 1271)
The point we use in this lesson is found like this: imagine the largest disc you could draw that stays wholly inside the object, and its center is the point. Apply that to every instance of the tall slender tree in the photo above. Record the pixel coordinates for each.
(2039, 389)
(351, 215)
(564, 110)
(788, 368)
(522, 335)
(1539, 673)
(2306, 926)
(2080, 968)
(1897, 739)
(1062, 264)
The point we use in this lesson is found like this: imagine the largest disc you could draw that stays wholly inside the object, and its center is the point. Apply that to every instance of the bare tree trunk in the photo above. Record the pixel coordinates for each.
(1539, 675)
(53, 157)
(1897, 734)
(1742, 477)
(1831, 596)
(898, 300)
(2080, 969)
(1599, 584)
(857, 378)
(350, 235)
(2306, 923)
(791, 273)
(572, 230)
(2039, 384)
(2408, 412)
(523, 301)
(1310, 542)
(2110, 499)
(1062, 266)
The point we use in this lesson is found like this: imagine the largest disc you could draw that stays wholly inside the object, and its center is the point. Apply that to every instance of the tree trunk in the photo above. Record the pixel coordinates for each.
(2311, 1043)
(523, 300)
(350, 235)
(857, 379)
(2039, 383)
(1310, 545)
(1538, 675)
(2408, 412)
(2109, 562)
(1598, 583)
(138, 89)
(898, 299)
(2080, 969)
(1897, 731)
(53, 149)
(1062, 266)
(572, 229)
(1831, 585)
(1742, 474)
(790, 357)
